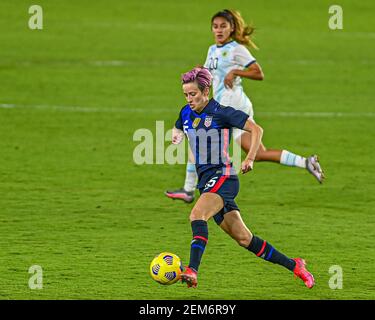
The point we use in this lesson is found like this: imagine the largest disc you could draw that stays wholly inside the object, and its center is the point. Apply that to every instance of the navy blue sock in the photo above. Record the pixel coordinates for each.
(198, 244)
(264, 250)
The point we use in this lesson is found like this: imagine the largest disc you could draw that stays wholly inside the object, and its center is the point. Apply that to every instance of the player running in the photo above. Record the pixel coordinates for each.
(229, 60)
(208, 127)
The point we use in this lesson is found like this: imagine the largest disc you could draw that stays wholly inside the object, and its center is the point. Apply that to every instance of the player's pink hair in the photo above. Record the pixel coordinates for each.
(199, 75)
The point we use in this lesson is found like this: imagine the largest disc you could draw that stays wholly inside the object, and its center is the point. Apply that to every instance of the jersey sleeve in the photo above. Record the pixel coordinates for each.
(207, 62)
(233, 117)
(243, 57)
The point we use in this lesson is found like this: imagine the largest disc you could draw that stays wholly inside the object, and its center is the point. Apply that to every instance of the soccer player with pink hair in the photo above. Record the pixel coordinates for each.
(209, 127)
(229, 60)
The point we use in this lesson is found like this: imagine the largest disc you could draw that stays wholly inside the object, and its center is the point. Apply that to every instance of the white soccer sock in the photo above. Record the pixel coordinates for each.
(292, 160)
(191, 177)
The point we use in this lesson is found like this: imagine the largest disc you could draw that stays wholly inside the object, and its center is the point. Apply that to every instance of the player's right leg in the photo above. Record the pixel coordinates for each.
(186, 193)
(236, 228)
(207, 206)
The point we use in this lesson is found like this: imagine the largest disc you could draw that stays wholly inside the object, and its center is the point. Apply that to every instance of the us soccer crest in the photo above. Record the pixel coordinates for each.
(208, 121)
(196, 122)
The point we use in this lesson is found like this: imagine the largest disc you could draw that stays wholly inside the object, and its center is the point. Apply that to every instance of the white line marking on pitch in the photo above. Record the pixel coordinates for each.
(282, 114)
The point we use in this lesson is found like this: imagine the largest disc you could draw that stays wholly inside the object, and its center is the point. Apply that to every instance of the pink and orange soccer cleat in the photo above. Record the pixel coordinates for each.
(190, 277)
(301, 272)
(181, 194)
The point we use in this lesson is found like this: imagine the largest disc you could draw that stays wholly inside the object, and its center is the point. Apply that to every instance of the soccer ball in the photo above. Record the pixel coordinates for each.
(166, 268)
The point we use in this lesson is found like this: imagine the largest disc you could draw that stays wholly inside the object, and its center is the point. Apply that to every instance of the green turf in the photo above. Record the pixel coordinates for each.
(73, 201)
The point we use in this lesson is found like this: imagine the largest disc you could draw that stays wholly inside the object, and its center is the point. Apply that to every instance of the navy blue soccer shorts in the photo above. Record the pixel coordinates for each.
(225, 186)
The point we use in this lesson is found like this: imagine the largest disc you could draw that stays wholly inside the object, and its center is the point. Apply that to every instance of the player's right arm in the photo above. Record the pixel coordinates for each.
(177, 131)
(177, 135)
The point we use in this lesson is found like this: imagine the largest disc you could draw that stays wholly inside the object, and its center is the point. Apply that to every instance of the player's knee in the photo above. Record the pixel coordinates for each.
(196, 214)
(244, 240)
(260, 154)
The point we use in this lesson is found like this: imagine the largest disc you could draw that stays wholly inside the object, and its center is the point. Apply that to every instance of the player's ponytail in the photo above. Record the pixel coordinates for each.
(242, 32)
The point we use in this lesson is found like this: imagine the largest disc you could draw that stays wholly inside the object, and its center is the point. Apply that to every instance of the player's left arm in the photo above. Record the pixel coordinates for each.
(254, 72)
(250, 68)
(256, 138)
(239, 119)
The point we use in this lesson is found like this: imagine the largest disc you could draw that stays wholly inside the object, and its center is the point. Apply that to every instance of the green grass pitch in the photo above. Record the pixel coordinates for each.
(73, 201)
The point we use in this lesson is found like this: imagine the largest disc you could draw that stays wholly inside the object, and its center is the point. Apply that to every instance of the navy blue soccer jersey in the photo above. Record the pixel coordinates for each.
(209, 134)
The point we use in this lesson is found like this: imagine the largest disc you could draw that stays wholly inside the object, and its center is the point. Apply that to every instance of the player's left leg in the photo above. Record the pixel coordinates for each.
(207, 206)
(236, 228)
(284, 157)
